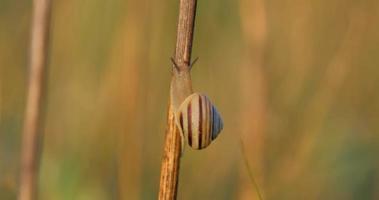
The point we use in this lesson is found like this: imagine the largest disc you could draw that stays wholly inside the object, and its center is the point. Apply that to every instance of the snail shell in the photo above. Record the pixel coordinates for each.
(199, 121)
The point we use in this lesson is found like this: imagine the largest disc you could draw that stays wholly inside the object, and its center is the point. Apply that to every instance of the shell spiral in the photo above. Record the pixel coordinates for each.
(199, 121)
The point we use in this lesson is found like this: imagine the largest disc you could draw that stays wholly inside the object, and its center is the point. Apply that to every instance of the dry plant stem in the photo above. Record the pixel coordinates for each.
(32, 134)
(125, 84)
(249, 170)
(254, 93)
(180, 88)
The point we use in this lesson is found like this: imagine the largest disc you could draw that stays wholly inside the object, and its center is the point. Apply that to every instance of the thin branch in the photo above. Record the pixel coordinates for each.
(32, 133)
(180, 88)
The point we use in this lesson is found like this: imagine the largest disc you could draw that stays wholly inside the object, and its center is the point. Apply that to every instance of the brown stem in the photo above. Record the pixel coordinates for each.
(180, 88)
(32, 133)
(254, 94)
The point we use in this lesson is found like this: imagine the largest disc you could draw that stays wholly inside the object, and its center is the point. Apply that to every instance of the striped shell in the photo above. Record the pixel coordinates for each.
(199, 121)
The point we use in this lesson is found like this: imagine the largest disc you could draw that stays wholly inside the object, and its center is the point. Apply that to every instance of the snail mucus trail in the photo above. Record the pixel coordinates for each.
(195, 116)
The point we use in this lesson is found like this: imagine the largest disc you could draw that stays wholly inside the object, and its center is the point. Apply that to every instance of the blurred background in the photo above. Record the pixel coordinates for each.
(296, 80)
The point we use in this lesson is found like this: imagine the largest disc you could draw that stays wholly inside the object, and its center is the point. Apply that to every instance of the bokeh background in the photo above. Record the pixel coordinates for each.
(297, 81)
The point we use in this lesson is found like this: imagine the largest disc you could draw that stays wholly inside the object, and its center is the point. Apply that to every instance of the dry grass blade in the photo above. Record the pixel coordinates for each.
(172, 149)
(254, 87)
(249, 170)
(32, 135)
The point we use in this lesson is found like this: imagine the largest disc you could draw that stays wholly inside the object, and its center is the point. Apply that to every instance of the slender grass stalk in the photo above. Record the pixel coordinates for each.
(33, 122)
(127, 57)
(254, 88)
(180, 88)
(249, 170)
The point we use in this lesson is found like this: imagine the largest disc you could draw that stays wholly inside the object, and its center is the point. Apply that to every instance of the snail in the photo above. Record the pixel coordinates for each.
(195, 115)
(199, 120)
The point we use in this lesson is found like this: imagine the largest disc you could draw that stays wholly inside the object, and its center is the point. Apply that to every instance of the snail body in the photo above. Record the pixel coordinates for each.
(199, 121)
(195, 116)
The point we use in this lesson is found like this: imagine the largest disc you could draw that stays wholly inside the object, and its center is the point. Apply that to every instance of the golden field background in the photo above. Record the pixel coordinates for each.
(296, 81)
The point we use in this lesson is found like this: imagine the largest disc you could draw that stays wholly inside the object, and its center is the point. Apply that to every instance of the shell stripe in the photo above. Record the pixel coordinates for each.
(189, 117)
(213, 125)
(208, 122)
(211, 119)
(200, 121)
(181, 120)
(203, 128)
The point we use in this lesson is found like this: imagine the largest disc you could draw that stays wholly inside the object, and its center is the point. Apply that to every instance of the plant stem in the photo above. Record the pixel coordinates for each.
(33, 122)
(254, 90)
(179, 87)
(249, 170)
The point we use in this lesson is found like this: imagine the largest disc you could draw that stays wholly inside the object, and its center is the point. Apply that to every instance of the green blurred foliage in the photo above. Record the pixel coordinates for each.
(108, 82)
